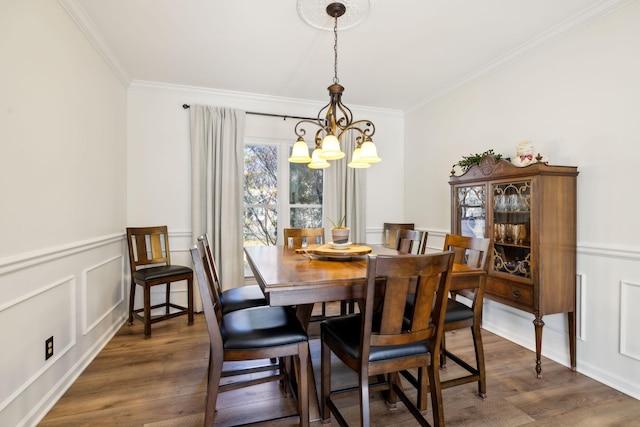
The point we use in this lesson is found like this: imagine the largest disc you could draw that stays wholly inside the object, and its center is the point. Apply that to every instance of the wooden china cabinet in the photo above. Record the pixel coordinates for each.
(530, 212)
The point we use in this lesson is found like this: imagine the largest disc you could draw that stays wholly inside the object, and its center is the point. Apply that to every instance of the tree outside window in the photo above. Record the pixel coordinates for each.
(268, 176)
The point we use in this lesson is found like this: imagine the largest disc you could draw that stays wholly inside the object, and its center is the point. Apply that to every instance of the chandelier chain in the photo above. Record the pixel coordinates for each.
(336, 80)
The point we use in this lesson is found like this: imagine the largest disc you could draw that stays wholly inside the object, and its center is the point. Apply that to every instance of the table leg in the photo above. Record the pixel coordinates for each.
(303, 312)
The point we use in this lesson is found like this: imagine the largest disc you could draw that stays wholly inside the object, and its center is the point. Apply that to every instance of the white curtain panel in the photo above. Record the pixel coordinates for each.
(217, 181)
(344, 192)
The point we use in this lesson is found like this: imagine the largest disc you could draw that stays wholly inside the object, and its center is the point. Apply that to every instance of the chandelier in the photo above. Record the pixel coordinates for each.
(333, 121)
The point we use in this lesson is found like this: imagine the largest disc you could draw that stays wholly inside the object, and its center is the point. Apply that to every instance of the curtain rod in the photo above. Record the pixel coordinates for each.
(285, 117)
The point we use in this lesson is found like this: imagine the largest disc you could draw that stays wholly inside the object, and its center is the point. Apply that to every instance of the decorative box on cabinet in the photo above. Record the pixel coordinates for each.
(530, 212)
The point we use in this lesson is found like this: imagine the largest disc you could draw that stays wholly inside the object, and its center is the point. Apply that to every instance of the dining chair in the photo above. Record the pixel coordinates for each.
(246, 335)
(381, 340)
(236, 298)
(389, 232)
(473, 252)
(295, 238)
(150, 265)
(411, 241)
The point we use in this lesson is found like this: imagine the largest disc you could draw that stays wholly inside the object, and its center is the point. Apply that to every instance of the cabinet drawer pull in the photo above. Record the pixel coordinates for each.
(516, 293)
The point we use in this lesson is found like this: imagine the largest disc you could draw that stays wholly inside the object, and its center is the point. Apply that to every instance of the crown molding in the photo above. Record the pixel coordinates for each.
(79, 16)
(560, 31)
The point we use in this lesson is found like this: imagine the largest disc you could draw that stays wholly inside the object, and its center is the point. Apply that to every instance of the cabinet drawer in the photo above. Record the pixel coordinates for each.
(506, 290)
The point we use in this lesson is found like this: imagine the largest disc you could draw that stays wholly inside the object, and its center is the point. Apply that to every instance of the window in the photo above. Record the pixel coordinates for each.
(268, 177)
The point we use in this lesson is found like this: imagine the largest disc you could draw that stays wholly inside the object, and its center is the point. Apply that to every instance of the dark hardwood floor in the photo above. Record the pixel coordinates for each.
(162, 381)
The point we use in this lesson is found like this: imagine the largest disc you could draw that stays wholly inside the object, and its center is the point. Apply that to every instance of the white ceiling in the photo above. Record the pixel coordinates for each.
(404, 54)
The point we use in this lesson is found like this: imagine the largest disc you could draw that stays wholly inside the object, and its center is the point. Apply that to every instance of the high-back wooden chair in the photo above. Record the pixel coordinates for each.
(384, 340)
(473, 252)
(150, 265)
(389, 230)
(245, 335)
(411, 241)
(295, 238)
(236, 298)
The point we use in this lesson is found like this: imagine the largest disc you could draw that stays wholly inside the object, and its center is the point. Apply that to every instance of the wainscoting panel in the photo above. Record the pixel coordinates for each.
(629, 320)
(28, 350)
(102, 291)
(73, 293)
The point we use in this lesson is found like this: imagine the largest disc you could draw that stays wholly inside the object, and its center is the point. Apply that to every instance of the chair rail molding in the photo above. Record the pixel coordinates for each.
(30, 259)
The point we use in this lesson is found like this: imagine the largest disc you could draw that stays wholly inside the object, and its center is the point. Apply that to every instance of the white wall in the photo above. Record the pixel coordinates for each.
(159, 151)
(65, 120)
(577, 101)
(63, 186)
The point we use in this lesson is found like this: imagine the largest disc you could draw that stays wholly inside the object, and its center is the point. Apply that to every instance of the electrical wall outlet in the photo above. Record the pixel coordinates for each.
(48, 348)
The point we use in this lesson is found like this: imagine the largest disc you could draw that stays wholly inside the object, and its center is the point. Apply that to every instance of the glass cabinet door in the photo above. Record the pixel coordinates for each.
(471, 210)
(512, 228)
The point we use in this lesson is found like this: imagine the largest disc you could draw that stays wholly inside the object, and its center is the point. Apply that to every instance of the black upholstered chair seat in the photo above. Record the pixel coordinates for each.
(240, 298)
(259, 327)
(345, 331)
(457, 311)
(160, 272)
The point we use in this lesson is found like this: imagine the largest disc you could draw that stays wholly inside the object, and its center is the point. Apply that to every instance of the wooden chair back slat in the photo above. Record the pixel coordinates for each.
(294, 238)
(411, 241)
(210, 271)
(148, 246)
(389, 232)
(214, 276)
(471, 251)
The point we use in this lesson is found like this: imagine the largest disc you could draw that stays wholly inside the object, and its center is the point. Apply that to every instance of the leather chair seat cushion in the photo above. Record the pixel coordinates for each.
(260, 327)
(457, 311)
(345, 331)
(240, 298)
(160, 272)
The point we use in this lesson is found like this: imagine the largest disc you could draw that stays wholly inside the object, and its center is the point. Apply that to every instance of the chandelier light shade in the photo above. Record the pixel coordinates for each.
(300, 152)
(333, 121)
(355, 160)
(368, 152)
(317, 162)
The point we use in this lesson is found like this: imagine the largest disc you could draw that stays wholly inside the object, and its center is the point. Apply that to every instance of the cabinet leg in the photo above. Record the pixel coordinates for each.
(571, 317)
(538, 323)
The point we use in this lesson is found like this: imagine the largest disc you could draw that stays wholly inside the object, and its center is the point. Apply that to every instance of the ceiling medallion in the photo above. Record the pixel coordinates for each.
(314, 13)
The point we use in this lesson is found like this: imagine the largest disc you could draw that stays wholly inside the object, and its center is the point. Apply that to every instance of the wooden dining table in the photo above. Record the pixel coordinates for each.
(293, 277)
(290, 277)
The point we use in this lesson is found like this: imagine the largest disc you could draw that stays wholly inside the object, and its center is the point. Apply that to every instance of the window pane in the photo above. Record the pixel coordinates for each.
(260, 226)
(260, 194)
(306, 217)
(305, 185)
(260, 175)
